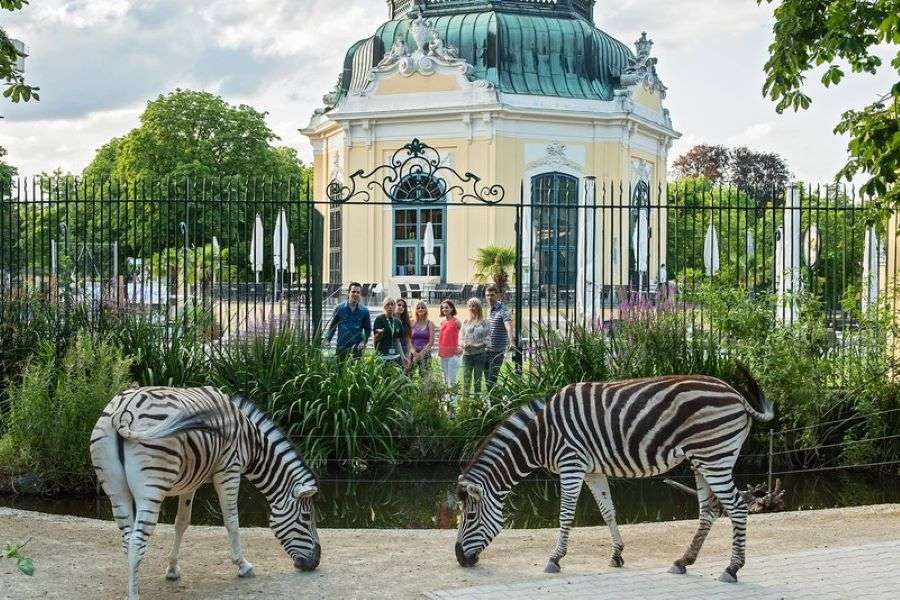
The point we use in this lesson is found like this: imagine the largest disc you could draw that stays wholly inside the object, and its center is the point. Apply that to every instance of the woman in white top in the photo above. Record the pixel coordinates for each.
(473, 341)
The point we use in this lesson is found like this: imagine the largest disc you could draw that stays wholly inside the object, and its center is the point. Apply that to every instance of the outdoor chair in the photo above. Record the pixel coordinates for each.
(479, 291)
(415, 291)
(465, 293)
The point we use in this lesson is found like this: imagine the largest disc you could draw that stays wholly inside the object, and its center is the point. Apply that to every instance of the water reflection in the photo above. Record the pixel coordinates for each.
(423, 499)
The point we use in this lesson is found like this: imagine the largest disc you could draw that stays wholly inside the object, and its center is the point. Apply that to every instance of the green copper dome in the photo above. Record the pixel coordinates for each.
(539, 47)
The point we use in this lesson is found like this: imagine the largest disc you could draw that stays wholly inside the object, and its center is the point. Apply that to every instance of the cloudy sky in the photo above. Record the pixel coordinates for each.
(99, 61)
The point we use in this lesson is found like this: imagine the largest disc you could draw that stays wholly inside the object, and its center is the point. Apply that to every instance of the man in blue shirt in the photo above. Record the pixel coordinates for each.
(352, 323)
(502, 338)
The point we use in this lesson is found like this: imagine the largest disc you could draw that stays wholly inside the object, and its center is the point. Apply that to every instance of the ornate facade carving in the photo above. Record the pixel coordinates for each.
(555, 155)
(642, 68)
(430, 55)
(641, 170)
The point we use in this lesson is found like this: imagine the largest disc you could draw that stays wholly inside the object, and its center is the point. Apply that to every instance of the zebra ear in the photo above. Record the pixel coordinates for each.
(475, 490)
(303, 491)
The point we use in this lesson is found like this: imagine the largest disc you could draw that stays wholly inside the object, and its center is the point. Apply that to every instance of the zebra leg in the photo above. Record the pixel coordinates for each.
(599, 485)
(227, 484)
(722, 485)
(570, 483)
(110, 474)
(704, 497)
(145, 522)
(181, 524)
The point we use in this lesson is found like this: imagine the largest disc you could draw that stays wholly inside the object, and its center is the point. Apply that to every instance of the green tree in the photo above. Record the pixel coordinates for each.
(493, 263)
(10, 66)
(196, 134)
(7, 171)
(814, 33)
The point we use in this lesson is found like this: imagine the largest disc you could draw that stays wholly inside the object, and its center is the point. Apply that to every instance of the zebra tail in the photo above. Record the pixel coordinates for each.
(756, 404)
(181, 422)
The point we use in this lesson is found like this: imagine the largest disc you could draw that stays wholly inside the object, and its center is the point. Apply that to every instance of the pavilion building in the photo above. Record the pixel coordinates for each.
(526, 94)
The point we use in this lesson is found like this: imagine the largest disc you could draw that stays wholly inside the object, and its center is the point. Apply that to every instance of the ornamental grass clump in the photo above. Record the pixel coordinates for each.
(337, 413)
(54, 408)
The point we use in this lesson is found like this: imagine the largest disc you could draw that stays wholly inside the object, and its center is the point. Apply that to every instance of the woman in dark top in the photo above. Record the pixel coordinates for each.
(388, 335)
(402, 313)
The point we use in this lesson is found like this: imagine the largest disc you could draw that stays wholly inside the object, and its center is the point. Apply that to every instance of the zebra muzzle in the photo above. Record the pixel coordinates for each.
(309, 564)
(463, 559)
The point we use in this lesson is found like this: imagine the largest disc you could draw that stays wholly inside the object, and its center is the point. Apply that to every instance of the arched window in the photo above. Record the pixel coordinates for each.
(554, 199)
(419, 200)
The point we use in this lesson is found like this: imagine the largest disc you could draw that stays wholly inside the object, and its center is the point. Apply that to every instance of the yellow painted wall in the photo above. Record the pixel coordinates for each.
(417, 83)
(367, 229)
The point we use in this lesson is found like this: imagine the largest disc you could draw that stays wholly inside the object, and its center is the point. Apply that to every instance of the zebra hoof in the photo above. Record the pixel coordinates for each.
(173, 574)
(677, 570)
(617, 562)
(727, 577)
(552, 567)
(246, 572)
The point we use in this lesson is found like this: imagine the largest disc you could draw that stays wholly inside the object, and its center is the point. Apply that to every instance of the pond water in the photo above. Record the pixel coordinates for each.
(417, 498)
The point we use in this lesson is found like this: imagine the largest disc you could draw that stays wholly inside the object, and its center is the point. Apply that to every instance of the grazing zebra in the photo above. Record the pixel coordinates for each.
(154, 442)
(590, 431)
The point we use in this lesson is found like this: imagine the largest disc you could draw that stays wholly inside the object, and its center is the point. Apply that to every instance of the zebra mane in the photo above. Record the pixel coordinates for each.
(514, 422)
(261, 421)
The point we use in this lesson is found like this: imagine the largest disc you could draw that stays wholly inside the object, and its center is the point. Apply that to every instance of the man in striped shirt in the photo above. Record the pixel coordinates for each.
(502, 338)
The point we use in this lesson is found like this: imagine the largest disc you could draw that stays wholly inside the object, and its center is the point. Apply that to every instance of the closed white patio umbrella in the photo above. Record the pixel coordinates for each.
(280, 247)
(256, 247)
(640, 241)
(711, 251)
(429, 259)
(292, 262)
(870, 270)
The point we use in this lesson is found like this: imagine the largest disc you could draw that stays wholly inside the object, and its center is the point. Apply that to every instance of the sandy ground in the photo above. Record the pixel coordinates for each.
(79, 558)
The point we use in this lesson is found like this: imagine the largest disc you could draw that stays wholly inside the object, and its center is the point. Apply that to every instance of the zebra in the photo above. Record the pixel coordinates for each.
(588, 432)
(154, 442)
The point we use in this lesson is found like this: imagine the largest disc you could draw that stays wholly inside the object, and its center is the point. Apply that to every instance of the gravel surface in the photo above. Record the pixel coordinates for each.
(78, 558)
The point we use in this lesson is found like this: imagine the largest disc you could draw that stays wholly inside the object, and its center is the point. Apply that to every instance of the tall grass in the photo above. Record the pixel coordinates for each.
(56, 405)
(336, 412)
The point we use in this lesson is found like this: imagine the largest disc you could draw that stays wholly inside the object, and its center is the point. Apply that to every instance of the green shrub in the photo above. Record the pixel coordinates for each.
(346, 412)
(177, 359)
(55, 407)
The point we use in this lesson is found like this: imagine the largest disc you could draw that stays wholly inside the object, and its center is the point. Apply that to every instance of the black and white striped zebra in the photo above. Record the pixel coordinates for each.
(638, 428)
(154, 442)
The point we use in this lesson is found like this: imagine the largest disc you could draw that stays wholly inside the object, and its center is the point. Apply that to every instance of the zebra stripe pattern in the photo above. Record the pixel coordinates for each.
(154, 442)
(588, 432)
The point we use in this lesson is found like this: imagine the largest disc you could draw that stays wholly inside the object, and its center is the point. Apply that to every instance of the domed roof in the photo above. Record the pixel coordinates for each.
(538, 47)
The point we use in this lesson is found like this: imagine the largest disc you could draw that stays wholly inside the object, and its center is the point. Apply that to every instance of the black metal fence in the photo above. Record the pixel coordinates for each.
(229, 256)
(235, 257)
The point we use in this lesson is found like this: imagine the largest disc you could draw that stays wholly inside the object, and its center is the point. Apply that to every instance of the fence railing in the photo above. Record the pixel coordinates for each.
(235, 257)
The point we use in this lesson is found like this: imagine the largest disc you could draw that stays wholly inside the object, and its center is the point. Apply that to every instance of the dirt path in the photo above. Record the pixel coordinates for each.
(79, 558)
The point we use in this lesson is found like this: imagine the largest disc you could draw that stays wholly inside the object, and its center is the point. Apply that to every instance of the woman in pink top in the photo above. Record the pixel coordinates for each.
(449, 350)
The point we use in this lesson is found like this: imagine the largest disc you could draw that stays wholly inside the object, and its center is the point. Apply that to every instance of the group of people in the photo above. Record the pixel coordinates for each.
(478, 344)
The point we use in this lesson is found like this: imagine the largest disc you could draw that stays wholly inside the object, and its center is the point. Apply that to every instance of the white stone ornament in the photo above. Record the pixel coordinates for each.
(642, 68)
(430, 55)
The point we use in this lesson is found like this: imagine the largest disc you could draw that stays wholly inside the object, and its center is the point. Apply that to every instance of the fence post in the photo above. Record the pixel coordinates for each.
(771, 449)
(518, 358)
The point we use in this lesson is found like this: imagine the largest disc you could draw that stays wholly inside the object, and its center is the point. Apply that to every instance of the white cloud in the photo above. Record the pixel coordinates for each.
(99, 61)
(81, 14)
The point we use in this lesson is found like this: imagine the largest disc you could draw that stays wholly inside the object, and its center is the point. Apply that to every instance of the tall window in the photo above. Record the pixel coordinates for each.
(335, 244)
(554, 199)
(418, 201)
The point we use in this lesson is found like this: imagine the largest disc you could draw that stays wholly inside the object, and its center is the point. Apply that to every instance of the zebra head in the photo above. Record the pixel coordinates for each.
(293, 519)
(480, 522)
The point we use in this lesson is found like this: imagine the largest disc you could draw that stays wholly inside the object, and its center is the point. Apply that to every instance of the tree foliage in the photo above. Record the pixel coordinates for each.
(836, 34)
(12, 76)
(747, 170)
(704, 160)
(7, 171)
(196, 134)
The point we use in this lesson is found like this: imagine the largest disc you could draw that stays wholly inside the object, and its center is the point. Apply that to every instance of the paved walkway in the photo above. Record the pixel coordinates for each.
(871, 571)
